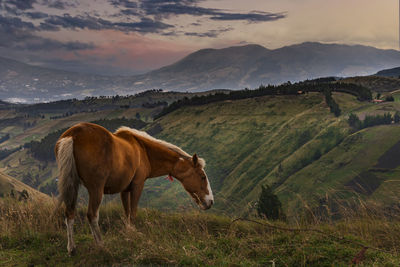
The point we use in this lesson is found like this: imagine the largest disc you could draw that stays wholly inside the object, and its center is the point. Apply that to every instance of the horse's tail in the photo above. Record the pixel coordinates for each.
(68, 180)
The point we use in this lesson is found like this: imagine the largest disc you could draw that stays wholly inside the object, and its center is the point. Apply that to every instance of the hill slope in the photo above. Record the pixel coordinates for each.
(11, 186)
(291, 142)
(395, 72)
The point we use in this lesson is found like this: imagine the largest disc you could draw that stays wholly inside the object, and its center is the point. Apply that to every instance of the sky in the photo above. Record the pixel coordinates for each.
(134, 36)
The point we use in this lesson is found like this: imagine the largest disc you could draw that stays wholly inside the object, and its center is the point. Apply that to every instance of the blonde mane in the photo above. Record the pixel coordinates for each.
(158, 141)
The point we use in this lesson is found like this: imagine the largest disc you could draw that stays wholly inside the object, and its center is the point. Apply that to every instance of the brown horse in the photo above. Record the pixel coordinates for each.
(120, 162)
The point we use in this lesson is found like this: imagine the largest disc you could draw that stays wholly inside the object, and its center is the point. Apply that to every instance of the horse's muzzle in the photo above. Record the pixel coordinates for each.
(205, 205)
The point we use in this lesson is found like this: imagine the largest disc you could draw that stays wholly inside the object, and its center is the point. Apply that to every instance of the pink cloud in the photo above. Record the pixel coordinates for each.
(132, 51)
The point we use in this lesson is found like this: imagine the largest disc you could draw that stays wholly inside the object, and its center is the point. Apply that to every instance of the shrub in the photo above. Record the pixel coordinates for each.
(269, 205)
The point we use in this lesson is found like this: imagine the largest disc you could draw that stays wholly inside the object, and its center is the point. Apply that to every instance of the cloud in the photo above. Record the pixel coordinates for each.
(19, 4)
(36, 15)
(124, 3)
(210, 34)
(165, 9)
(18, 34)
(36, 43)
(59, 4)
(250, 17)
(145, 25)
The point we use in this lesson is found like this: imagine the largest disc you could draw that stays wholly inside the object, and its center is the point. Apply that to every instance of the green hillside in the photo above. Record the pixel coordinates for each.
(309, 157)
(10, 187)
(292, 143)
(375, 83)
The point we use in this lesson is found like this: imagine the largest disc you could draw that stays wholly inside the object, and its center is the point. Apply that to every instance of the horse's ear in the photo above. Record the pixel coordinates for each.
(195, 160)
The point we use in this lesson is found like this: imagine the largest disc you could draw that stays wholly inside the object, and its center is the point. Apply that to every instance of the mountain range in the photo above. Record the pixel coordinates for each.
(234, 68)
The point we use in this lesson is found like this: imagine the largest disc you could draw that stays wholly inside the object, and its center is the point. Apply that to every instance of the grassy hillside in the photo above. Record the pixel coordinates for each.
(375, 83)
(30, 235)
(292, 143)
(10, 187)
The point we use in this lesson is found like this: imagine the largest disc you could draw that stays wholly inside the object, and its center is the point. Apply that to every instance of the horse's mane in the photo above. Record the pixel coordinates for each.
(144, 135)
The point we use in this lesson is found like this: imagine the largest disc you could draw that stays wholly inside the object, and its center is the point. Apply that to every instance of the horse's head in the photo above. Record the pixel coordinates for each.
(193, 178)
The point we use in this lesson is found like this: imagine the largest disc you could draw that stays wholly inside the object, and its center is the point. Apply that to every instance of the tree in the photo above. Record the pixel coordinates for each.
(269, 205)
(396, 117)
(389, 98)
(354, 121)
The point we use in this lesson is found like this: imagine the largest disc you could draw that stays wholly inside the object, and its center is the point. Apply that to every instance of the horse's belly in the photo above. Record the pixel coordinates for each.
(117, 184)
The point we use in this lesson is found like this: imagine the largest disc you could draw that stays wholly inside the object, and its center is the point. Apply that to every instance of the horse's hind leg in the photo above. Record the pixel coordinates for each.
(93, 214)
(125, 198)
(69, 221)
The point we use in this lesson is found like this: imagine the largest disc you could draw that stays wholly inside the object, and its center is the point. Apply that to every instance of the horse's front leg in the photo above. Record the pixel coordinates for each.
(135, 196)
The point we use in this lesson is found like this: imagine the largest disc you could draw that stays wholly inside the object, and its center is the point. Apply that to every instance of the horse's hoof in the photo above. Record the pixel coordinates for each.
(72, 252)
(130, 227)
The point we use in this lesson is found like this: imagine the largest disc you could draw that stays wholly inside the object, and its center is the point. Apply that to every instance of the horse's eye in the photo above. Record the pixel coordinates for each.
(203, 177)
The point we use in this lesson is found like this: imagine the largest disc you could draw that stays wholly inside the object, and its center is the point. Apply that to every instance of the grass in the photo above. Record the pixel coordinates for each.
(29, 235)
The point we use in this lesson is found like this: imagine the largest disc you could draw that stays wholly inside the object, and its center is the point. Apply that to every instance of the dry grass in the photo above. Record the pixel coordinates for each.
(29, 234)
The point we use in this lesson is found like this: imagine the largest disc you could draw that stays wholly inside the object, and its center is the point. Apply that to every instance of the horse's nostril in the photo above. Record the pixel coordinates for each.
(211, 202)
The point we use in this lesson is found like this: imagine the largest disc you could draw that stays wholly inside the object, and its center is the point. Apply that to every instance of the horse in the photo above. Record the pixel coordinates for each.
(120, 162)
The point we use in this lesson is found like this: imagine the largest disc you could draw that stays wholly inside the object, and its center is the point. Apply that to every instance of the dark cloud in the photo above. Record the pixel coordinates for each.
(18, 34)
(124, 3)
(77, 22)
(36, 43)
(19, 4)
(210, 34)
(165, 9)
(36, 15)
(145, 25)
(250, 17)
(14, 23)
(59, 4)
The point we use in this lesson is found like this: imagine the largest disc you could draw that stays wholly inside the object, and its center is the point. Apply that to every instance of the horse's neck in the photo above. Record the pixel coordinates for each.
(161, 159)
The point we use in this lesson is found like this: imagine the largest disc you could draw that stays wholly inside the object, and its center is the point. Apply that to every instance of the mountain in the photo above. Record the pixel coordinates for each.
(252, 65)
(232, 68)
(395, 72)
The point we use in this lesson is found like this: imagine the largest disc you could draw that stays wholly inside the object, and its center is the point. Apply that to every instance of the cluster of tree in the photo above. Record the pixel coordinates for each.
(21, 196)
(268, 205)
(362, 93)
(154, 104)
(50, 188)
(389, 98)
(43, 150)
(373, 120)
(29, 179)
(88, 104)
(64, 115)
(114, 124)
(333, 106)
(4, 138)
(4, 153)
(29, 124)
